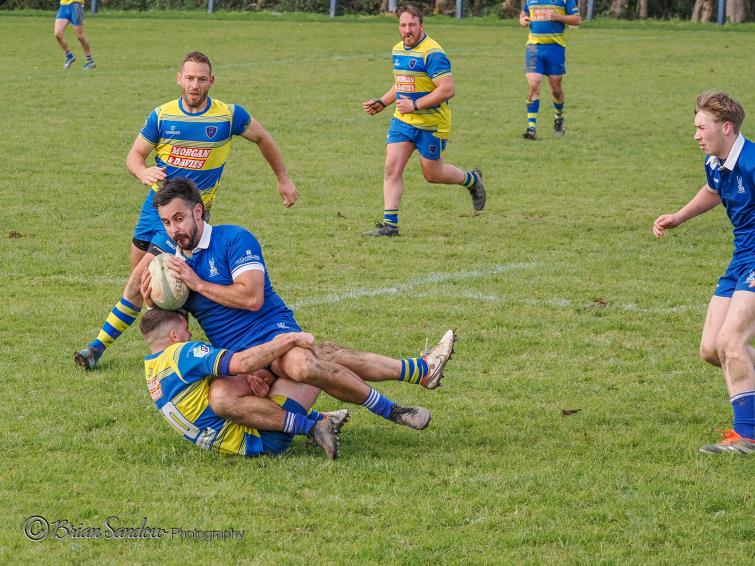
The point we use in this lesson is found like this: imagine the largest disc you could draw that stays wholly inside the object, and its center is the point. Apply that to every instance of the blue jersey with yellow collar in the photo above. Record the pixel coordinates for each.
(224, 252)
(734, 181)
(543, 31)
(178, 380)
(413, 72)
(195, 145)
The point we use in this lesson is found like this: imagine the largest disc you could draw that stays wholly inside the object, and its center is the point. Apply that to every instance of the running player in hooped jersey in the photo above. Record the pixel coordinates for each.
(422, 87)
(546, 56)
(730, 323)
(184, 376)
(236, 306)
(72, 12)
(191, 137)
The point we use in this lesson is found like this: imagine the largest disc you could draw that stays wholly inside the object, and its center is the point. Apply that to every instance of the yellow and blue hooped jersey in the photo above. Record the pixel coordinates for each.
(543, 31)
(178, 380)
(413, 72)
(69, 2)
(195, 145)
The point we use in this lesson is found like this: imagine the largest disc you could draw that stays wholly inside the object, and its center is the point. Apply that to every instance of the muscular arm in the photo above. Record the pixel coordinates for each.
(136, 163)
(259, 357)
(269, 150)
(702, 202)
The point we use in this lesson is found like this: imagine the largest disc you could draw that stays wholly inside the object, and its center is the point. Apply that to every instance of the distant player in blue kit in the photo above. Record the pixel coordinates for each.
(422, 86)
(546, 56)
(191, 138)
(184, 376)
(235, 304)
(730, 323)
(72, 12)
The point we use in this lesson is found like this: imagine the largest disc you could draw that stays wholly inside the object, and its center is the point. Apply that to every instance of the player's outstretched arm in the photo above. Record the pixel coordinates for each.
(376, 105)
(261, 356)
(136, 163)
(269, 149)
(702, 202)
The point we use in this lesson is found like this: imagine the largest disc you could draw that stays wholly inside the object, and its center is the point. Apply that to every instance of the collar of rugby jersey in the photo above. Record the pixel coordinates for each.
(731, 161)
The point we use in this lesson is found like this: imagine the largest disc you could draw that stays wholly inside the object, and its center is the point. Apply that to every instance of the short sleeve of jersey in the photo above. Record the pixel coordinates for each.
(571, 8)
(150, 131)
(161, 244)
(244, 254)
(709, 176)
(241, 120)
(437, 64)
(197, 360)
(526, 8)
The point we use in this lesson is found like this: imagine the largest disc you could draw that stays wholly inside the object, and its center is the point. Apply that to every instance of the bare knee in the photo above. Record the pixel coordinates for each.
(328, 351)
(58, 34)
(225, 396)
(710, 354)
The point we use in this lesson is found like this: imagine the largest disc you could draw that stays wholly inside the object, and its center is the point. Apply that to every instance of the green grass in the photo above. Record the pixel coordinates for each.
(561, 297)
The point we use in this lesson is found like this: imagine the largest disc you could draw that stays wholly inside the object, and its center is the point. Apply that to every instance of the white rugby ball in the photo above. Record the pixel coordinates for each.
(168, 292)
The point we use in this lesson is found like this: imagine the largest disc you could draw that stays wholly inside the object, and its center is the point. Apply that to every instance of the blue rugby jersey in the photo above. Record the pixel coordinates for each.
(223, 253)
(544, 31)
(734, 181)
(195, 145)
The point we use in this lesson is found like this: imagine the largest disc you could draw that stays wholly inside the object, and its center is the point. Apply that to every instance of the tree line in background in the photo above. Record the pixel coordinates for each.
(694, 10)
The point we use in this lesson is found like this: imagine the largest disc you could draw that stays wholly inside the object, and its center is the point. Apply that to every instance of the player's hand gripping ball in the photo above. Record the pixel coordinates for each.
(168, 292)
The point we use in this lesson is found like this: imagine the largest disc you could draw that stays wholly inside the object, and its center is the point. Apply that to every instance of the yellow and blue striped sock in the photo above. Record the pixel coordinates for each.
(558, 110)
(120, 318)
(533, 107)
(390, 216)
(413, 370)
(470, 178)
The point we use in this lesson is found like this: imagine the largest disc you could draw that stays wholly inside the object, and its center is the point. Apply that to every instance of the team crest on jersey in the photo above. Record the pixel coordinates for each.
(740, 186)
(213, 269)
(750, 277)
(433, 148)
(155, 390)
(211, 131)
(412, 63)
(200, 351)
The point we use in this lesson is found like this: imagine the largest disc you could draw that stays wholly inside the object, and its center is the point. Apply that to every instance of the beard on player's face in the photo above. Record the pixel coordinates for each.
(187, 237)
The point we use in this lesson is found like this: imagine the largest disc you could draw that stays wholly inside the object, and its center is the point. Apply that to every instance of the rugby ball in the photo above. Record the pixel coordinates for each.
(168, 292)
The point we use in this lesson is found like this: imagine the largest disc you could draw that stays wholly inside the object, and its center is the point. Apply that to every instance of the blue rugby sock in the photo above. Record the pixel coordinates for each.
(295, 423)
(558, 110)
(743, 405)
(390, 216)
(378, 404)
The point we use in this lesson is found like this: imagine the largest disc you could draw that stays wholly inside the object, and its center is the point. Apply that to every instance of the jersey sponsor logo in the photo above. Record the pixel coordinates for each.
(213, 269)
(155, 390)
(740, 186)
(750, 277)
(188, 157)
(173, 132)
(200, 351)
(404, 83)
(211, 131)
(281, 325)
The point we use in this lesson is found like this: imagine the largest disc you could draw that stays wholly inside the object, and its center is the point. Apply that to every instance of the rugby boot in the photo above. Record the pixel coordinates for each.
(530, 134)
(558, 128)
(477, 191)
(436, 360)
(70, 58)
(414, 417)
(731, 442)
(325, 432)
(87, 357)
(382, 229)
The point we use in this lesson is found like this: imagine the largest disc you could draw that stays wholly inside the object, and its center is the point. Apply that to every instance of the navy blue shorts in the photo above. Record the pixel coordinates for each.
(738, 277)
(74, 13)
(427, 142)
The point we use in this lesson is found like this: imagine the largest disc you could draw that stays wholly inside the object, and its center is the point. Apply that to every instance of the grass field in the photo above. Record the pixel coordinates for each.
(561, 297)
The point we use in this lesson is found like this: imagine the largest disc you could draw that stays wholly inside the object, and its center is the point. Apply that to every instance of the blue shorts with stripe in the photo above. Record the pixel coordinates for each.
(545, 59)
(738, 277)
(429, 145)
(74, 13)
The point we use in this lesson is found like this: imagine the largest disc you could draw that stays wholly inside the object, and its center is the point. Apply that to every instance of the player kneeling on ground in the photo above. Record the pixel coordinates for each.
(184, 376)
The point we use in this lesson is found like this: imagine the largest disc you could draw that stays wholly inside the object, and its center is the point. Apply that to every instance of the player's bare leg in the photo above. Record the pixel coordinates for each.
(533, 103)
(396, 157)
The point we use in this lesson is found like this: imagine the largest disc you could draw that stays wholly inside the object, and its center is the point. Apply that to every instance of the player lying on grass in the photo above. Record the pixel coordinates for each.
(235, 304)
(184, 377)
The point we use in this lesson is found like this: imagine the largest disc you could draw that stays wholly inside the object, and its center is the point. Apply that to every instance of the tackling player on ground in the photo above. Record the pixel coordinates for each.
(730, 323)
